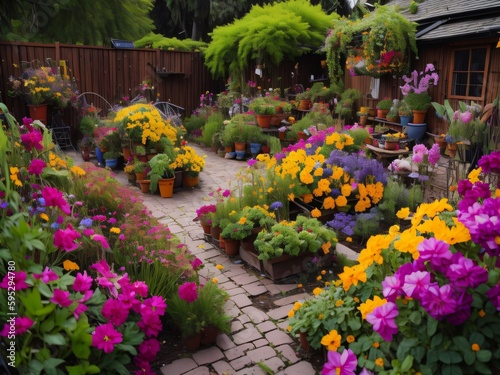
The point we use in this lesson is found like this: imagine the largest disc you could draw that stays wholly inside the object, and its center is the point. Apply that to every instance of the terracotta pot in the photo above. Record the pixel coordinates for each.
(240, 146)
(232, 247)
(264, 121)
(228, 149)
(281, 136)
(304, 343)
(127, 153)
(131, 178)
(391, 145)
(305, 105)
(222, 243)
(166, 187)
(362, 120)
(302, 135)
(452, 149)
(209, 335)
(382, 113)
(192, 342)
(38, 112)
(418, 116)
(206, 226)
(266, 149)
(188, 181)
(85, 155)
(215, 232)
(144, 185)
(151, 156)
(140, 176)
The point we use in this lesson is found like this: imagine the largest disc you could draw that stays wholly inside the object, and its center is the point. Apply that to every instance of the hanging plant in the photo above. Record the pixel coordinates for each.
(377, 44)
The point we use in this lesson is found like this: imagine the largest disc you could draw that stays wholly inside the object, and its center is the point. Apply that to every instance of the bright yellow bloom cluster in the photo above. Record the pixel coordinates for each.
(14, 176)
(331, 340)
(77, 171)
(189, 160)
(147, 119)
(56, 162)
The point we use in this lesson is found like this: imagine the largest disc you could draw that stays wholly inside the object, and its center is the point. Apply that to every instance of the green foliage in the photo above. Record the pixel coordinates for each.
(413, 7)
(87, 126)
(270, 33)
(194, 123)
(153, 40)
(160, 168)
(384, 104)
(213, 125)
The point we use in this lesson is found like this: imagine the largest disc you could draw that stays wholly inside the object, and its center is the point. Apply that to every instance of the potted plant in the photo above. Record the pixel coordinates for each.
(140, 169)
(162, 174)
(405, 113)
(234, 231)
(192, 165)
(203, 216)
(363, 115)
(304, 99)
(86, 144)
(264, 109)
(111, 158)
(383, 107)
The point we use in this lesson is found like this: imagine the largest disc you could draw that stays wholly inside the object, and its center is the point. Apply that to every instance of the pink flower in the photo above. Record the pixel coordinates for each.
(438, 301)
(150, 324)
(102, 267)
(100, 238)
(188, 292)
(415, 282)
(105, 337)
(36, 167)
(80, 308)
(382, 319)
(22, 324)
(115, 311)
(466, 117)
(32, 139)
(140, 287)
(434, 154)
(340, 364)
(196, 263)
(391, 288)
(19, 281)
(88, 232)
(82, 282)
(46, 276)
(65, 239)
(148, 349)
(61, 298)
(54, 198)
(155, 304)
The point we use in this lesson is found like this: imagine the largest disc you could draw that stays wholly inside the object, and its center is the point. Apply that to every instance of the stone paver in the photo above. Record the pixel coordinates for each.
(278, 337)
(241, 300)
(238, 351)
(179, 366)
(291, 299)
(203, 370)
(261, 354)
(247, 335)
(236, 326)
(280, 312)
(302, 368)
(235, 291)
(266, 326)
(255, 315)
(273, 289)
(240, 362)
(275, 364)
(205, 356)
(288, 353)
(261, 342)
(224, 342)
(255, 370)
(222, 367)
(245, 279)
(228, 285)
(255, 289)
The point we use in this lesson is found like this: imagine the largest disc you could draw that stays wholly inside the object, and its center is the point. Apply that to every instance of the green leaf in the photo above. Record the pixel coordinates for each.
(451, 370)
(43, 354)
(54, 339)
(449, 356)
(76, 370)
(354, 324)
(482, 368)
(431, 326)
(50, 365)
(35, 367)
(47, 325)
(45, 290)
(415, 318)
(483, 355)
(469, 357)
(432, 356)
(407, 363)
(436, 340)
(477, 338)
(418, 353)
(461, 343)
(127, 348)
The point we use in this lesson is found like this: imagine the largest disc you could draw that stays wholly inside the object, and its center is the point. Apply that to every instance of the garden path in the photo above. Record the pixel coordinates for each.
(258, 334)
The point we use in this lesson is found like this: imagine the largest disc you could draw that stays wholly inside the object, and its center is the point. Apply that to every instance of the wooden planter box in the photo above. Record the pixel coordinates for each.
(251, 257)
(286, 265)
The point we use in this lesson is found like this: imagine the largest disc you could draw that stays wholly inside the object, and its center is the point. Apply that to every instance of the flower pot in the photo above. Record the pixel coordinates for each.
(144, 185)
(85, 155)
(188, 181)
(127, 153)
(192, 342)
(131, 178)
(302, 135)
(418, 116)
(240, 155)
(232, 247)
(166, 187)
(99, 155)
(240, 146)
(209, 335)
(151, 156)
(112, 163)
(281, 136)
(228, 149)
(266, 149)
(222, 243)
(382, 113)
(178, 179)
(404, 120)
(215, 232)
(264, 121)
(140, 175)
(416, 131)
(38, 112)
(452, 149)
(304, 342)
(363, 120)
(391, 145)
(206, 226)
(255, 148)
(305, 104)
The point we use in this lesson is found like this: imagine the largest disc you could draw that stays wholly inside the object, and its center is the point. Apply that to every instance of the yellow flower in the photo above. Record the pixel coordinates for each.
(215, 280)
(299, 286)
(474, 175)
(403, 213)
(326, 247)
(220, 267)
(376, 345)
(318, 278)
(350, 339)
(331, 340)
(291, 313)
(44, 216)
(323, 272)
(369, 305)
(339, 303)
(315, 213)
(348, 239)
(115, 230)
(77, 171)
(297, 305)
(289, 328)
(475, 347)
(320, 317)
(68, 265)
(317, 291)
(379, 362)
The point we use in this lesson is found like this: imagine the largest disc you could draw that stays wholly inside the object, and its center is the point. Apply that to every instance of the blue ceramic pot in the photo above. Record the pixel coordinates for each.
(112, 163)
(255, 148)
(404, 120)
(99, 155)
(416, 131)
(240, 155)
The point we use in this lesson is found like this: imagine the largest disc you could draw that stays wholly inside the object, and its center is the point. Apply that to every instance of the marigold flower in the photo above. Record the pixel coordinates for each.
(68, 265)
(350, 339)
(220, 267)
(215, 280)
(481, 313)
(475, 347)
(317, 291)
(379, 362)
(316, 213)
(331, 340)
(115, 230)
(318, 278)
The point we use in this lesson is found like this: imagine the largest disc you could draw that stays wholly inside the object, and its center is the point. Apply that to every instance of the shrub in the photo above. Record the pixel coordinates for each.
(213, 125)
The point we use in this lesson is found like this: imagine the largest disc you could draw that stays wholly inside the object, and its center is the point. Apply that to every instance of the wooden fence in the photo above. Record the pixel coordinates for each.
(178, 77)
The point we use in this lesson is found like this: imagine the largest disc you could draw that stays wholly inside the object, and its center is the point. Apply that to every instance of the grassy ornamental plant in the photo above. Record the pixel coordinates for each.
(384, 104)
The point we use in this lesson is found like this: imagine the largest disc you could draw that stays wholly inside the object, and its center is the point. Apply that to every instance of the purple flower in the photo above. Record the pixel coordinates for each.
(490, 163)
(435, 251)
(466, 117)
(382, 319)
(252, 162)
(438, 301)
(276, 205)
(464, 273)
(494, 296)
(434, 154)
(416, 282)
(391, 288)
(188, 292)
(46, 276)
(32, 139)
(462, 313)
(340, 364)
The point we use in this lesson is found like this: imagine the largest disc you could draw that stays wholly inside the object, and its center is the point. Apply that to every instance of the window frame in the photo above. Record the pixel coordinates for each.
(485, 72)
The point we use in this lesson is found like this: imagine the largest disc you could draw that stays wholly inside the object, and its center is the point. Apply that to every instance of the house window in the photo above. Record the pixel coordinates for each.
(470, 66)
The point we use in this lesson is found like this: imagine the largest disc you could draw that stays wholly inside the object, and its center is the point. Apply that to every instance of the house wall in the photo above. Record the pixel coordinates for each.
(441, 56)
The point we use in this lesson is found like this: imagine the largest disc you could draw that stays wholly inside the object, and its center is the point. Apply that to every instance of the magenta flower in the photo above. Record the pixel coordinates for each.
(382, 319)
(196, 263)
(19, 281)
(464, 273)
(416, 282)
(340, 364)
(140, 287)
(462, 312)
(150, 324)
(46, 276)
(54, 198)
(127, 298)
(490, 163)
(419, 151)
(103, 268)
(32, 140)
(115, 311)
(65, 239)
(252, 162)
(36, 167)
(100, 238)
(80, 308)
(82, 282)
(391, 288)
(61, 298)
(494, 296)
(22, 324)
(466, 117)
(434, 154)
(438, 301)
(148, 349)
(435, 251)
(105, 337)
(88, 232)
(188, 292)
(226, 193)
(155, 305)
